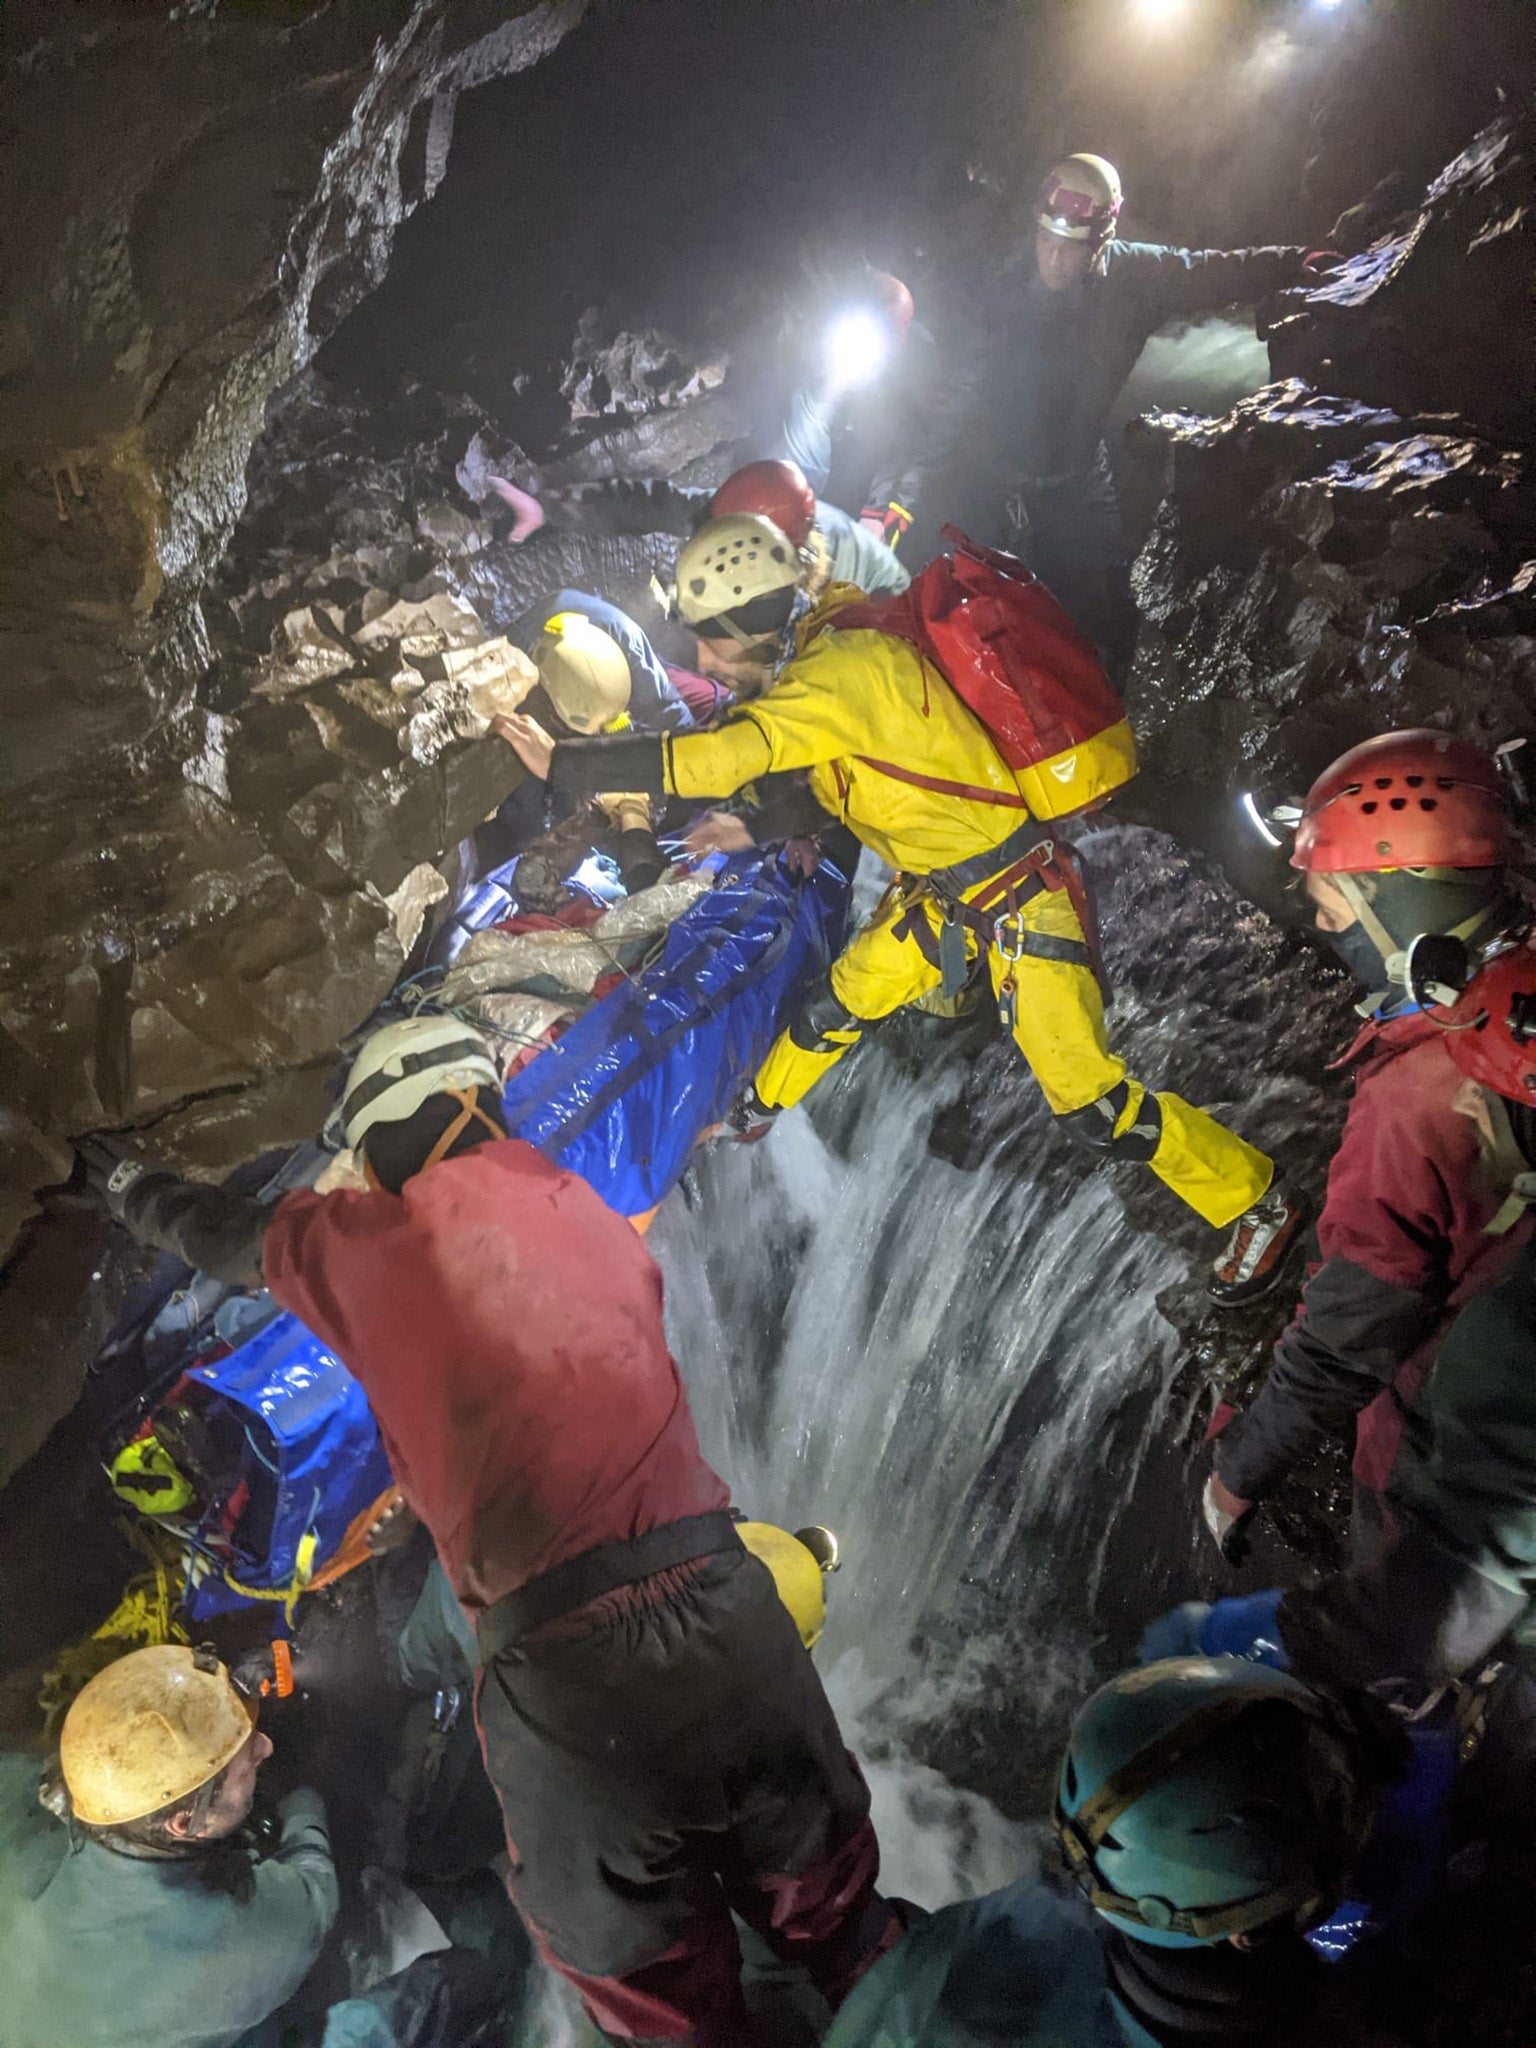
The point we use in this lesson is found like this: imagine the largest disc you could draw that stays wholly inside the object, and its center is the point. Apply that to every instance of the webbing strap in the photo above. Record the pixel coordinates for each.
(1049, 864)
(604, 1569)
(1046, 946)
(445, 1056)
(972, 792)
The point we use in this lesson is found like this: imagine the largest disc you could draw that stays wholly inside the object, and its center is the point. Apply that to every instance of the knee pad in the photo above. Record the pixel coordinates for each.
(1094, 1124)
(825, 1024)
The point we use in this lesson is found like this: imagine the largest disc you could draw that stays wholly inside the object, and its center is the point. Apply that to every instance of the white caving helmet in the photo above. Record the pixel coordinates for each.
(584, 673)
(1081, 199)
(737, 578)
(402, 1064)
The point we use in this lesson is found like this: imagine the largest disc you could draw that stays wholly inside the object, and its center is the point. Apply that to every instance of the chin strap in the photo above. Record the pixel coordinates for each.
(1394, 956)
(1354, 895)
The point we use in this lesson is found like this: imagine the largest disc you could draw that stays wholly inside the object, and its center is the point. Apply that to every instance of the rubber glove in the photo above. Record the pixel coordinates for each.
(1245, 1627)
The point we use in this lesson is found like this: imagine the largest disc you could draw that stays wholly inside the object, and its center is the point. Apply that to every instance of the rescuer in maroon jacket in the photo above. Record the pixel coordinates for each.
(1404, 835)
(655, 1729)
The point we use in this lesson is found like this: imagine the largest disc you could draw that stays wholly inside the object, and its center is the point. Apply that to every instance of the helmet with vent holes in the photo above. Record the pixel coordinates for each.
(1404, 800)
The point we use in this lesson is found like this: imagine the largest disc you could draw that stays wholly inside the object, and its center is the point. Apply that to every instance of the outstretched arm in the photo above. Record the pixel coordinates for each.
(1189, 281)
(210, 1228)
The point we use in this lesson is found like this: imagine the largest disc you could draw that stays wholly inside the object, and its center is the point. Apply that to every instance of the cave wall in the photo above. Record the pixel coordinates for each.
(196, 196)
(1354, 547)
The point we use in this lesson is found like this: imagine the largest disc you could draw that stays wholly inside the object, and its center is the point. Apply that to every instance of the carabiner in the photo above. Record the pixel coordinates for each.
(1008, 936)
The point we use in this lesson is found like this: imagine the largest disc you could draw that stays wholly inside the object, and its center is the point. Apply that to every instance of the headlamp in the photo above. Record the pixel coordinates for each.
(857, 347)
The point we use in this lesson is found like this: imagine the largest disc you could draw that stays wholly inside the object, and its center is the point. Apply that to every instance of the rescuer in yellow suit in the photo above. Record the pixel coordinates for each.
(895, 754)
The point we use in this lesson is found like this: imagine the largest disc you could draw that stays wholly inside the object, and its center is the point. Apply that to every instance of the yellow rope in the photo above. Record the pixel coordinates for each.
(303, 1572)
(145, 1615)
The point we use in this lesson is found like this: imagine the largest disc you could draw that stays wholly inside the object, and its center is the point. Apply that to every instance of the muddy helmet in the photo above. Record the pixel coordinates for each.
(799, 1565)
(774, 490)
(1080, 200)
(584, 672)
(1203, 1797)
(148, 1732)
(403, 1064)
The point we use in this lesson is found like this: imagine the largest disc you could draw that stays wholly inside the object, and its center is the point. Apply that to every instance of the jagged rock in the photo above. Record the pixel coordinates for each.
(422, 625)
(1322, 569)
(409, 904)
(630, 373)
(195, 202)
(448, 531)
(29, 1159)
(1436, 314)
(306, 648)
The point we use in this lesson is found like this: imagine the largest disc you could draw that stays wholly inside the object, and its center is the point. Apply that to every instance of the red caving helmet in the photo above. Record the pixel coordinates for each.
(1491, 1031)
(892, 299)
(772, 490)
(1404, 800)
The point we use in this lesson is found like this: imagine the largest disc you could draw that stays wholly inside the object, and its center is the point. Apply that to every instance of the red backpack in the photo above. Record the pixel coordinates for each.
(1015, 658)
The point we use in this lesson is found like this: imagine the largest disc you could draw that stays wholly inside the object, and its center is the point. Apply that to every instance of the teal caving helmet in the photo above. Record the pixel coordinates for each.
(1204, 1797)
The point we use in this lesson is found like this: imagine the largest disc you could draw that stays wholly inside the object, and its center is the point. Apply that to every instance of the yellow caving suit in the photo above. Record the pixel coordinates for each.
(847, 699)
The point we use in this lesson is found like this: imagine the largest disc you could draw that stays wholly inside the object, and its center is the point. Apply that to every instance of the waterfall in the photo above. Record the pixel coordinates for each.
(966, 1374)
(932, 1363)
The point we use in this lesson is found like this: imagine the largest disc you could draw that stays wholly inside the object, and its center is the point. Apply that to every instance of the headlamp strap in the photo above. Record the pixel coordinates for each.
(469, 1112)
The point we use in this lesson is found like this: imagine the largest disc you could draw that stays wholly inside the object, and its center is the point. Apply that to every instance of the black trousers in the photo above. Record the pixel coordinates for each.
(674, 1761)
(1071, 535)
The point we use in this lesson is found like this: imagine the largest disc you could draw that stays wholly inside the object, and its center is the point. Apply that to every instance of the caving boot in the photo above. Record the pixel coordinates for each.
(1261, 1243)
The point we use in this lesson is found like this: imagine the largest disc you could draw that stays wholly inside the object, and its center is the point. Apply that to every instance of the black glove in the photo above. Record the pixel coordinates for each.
(111, 1171)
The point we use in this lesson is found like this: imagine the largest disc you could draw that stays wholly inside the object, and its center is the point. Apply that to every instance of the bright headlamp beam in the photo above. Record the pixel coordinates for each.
(1258, 821)
(856, 350)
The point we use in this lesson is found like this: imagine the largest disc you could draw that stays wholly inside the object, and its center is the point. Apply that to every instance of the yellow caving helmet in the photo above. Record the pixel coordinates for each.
(147, 1477)
(799, 1565)
(584, 672)
(148, 1732)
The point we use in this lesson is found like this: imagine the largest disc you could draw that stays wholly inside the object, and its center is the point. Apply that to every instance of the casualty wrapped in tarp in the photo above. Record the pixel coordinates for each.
(266, 1463)
(624, 1094)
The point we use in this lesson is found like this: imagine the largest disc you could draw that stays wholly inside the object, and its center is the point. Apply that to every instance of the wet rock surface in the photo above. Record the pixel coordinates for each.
(198, 196)
(192, 976)
(254, 639)
(1340, 554)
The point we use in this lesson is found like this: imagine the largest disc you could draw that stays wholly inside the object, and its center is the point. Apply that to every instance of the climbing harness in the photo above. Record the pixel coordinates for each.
(1015, 873)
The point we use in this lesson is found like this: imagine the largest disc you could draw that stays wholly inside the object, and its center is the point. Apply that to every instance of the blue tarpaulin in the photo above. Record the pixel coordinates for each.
(310, 1461)
(620, 1099)
(623, 1095)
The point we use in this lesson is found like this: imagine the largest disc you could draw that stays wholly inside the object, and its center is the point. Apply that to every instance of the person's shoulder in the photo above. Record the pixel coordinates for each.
(1410, 1094)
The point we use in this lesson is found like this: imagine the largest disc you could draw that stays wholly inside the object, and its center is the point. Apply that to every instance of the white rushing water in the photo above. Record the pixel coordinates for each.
(930, 1362)
(967, 1377)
